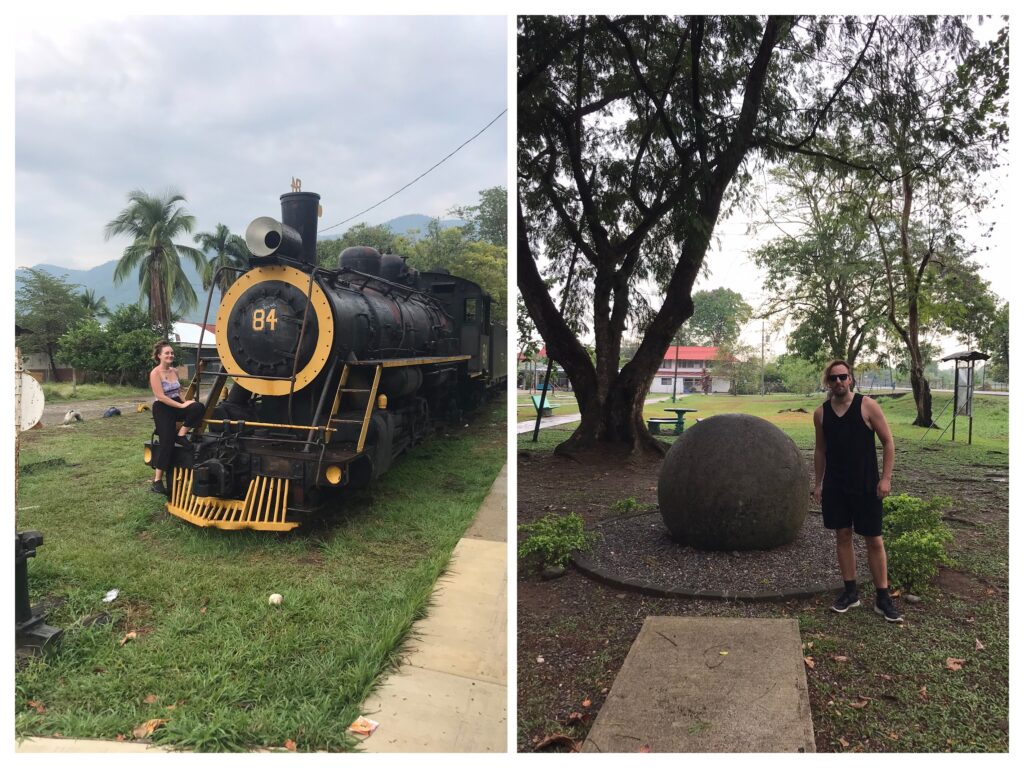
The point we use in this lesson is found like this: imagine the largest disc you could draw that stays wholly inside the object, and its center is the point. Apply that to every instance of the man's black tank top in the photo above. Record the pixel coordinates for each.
(851, 464)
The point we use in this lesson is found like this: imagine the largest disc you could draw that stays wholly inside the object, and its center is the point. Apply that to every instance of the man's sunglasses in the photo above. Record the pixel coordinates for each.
(838, 376)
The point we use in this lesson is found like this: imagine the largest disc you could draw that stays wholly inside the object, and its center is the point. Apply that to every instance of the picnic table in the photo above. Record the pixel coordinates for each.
(677, 422)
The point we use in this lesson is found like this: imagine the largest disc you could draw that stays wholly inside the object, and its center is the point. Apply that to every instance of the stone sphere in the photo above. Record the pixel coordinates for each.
(733, 482)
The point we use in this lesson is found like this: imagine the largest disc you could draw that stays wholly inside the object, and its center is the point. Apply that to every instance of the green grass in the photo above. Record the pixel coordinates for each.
(566, 402)
(990, 431)
(56, 393)
(226, 669)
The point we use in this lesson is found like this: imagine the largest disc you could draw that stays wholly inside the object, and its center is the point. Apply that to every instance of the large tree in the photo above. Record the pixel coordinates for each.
(930, 106)
(821, 272)
(153, 223)
(225, 253)
(718, 318)
(488, 219)
(632, 134)
(48, 306)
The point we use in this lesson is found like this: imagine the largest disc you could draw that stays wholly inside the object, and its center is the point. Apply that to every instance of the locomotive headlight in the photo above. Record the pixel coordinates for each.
(147, 454)
(382, 402)
(333, 474)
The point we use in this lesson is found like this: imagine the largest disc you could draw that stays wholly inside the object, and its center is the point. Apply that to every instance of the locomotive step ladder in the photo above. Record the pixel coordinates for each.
(353, 393)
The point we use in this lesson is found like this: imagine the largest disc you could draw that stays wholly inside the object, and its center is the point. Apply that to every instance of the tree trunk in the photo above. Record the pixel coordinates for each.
(53, 363)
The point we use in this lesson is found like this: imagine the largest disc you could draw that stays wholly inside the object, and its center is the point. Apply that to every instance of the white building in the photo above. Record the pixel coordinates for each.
(688, 367)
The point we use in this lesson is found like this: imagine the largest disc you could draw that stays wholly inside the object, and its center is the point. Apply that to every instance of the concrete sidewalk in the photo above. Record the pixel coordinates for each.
(451, 693)
(708, 685)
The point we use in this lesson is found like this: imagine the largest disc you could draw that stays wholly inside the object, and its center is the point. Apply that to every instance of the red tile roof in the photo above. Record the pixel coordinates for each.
(691, 353)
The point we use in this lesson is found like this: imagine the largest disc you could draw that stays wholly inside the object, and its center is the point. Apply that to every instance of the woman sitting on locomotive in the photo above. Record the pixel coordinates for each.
(167, 407)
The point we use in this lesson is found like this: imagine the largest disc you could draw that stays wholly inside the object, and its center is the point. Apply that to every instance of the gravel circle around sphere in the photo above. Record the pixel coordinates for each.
(637, 553)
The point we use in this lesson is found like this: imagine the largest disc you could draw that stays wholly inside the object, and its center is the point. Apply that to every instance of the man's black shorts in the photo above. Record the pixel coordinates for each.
(861, 511)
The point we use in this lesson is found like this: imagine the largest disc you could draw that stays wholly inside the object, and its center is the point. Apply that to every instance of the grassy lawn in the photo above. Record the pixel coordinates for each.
(565, 401)
(56, 393)
(225, 669)
(990, 433)
(873, 687)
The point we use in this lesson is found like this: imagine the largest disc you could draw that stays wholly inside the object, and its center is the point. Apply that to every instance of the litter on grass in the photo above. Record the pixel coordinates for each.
(111, 596)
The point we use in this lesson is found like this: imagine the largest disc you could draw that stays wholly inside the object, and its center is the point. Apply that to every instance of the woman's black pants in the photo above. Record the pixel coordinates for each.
(166, 419)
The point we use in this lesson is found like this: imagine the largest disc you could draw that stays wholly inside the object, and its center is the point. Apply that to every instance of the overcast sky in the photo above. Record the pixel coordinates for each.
(227, 110)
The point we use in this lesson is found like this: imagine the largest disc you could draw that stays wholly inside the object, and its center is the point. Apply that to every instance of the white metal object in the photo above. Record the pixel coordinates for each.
(31, 402)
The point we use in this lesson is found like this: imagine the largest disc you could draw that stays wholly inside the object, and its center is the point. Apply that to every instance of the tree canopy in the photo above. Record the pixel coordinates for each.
(637, 134)
(47, 306)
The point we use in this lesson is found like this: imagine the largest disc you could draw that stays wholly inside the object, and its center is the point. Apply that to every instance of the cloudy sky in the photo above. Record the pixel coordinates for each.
(227, 110)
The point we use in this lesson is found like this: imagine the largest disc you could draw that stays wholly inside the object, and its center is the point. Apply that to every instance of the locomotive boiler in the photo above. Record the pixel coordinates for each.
(325, 375)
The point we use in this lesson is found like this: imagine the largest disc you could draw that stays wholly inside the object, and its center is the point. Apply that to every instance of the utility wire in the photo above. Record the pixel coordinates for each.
(435, 165)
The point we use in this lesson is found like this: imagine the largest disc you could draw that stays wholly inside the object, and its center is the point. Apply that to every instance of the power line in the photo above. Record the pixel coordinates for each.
(435, 165)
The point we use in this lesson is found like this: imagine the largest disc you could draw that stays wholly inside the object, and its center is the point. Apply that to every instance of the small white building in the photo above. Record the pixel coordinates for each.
(689, 367)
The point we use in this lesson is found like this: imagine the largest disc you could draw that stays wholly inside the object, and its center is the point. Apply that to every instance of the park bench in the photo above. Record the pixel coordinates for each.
(548, 405)
(655, 424)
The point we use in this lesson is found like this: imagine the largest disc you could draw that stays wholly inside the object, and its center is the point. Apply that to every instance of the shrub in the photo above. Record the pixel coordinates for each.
(629, 506)
(915, 538)
(552, 539)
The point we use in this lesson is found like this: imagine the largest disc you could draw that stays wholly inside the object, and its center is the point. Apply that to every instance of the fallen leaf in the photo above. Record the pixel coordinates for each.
(884, 676)
(37, 706)
(586, 703)
(573, 716)
(146, 729)
(119, 737)
(540, 659)
(290, 745)
(990, 591)
(151, 699)
(894, 736)
(723, 653)
(843, 742)
(130, 636)
(860, 703)
(809, 661)
(840, 659)
(559, 739)
(202, 611)
(644, 748)
(977, 645)
(954, 665)
(895, 593)
(171, 706)
(604, 690)
(923, 693)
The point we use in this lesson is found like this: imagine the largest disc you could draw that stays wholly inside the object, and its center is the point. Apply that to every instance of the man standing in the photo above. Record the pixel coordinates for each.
(847, 484)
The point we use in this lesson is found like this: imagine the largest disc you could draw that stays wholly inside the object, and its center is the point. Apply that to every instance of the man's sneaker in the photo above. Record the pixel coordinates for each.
(158, 487)
(886, 608)
(845, 602)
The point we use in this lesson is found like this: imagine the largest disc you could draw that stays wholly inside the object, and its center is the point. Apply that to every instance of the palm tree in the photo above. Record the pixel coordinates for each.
(93, 306)
(153, 223)
(226, 250)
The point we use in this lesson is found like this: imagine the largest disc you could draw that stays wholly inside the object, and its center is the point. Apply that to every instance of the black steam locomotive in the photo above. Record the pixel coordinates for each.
(334, 373)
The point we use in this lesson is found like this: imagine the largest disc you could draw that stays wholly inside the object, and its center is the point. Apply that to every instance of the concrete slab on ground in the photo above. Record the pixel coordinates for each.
(491, 521)
(450, 694)
(692, 684)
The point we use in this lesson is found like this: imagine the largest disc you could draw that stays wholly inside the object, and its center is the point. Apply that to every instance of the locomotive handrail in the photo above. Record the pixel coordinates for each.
(267, 424)
(206, 313)
(298, 344)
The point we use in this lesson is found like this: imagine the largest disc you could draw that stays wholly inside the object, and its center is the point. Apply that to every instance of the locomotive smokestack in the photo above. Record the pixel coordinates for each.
(300, 210)
(292, 237)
